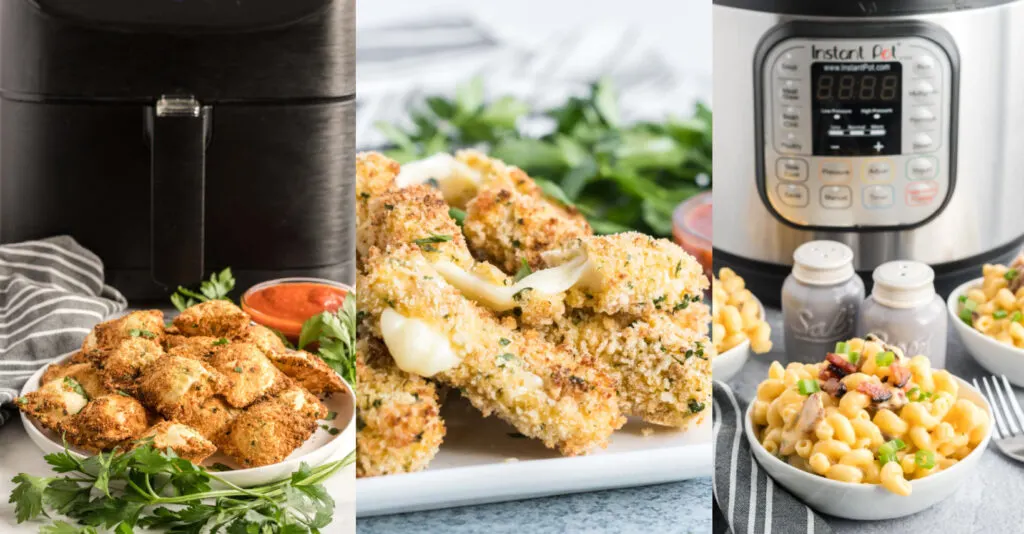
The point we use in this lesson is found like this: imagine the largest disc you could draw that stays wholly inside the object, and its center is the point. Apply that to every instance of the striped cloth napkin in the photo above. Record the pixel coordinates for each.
(51, 295)
(747, 498)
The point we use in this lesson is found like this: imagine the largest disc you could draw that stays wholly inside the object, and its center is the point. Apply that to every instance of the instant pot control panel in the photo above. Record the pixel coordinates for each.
(856, 124)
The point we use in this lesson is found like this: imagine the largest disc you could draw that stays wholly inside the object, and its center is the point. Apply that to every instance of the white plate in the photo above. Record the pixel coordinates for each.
(318, 449)
(866, 502)
(998, 358)
(481, 462)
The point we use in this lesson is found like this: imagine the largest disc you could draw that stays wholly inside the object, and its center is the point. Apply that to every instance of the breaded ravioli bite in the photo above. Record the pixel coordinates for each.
(248, 374)
(108, 334)
(214, 318)
(84, 373)
(54, 402)
(185, 441)
(195, 347)
(307, 369)
(121, 365)
(399, 416)
(212, 418)
(270, 430)
(105, 422)
(172, 384)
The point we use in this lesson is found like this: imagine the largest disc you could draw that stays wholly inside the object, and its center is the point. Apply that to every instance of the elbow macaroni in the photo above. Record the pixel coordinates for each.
(994, 309)
(736, 315)
(848, 437)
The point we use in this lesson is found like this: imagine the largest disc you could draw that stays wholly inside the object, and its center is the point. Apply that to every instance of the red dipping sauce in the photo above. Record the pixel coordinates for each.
(692, 229)
(287, 303)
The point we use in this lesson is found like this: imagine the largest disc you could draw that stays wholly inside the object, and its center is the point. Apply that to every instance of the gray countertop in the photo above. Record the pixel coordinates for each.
(987, 502)
(683, 507)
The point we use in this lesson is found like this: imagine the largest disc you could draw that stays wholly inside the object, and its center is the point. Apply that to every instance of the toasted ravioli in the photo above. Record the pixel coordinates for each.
(172, 384)
(195, 347)
(211, 418)
(266, 339)
(85, 373)
(109, 334)
(105, 422)
(54, 402)
(121, 365)
(269, 431)
(307, 369)
(400, 425)
(185, 441)
(215, 318)
(248, 374)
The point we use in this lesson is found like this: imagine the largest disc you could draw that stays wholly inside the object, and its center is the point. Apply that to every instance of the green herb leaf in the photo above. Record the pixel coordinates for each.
(1010, 274)
(135, 332)
(999, 314)
(75, 386)
(458, 215)
(434, 238)
(336, 335)
(524, 270)
(216, 288)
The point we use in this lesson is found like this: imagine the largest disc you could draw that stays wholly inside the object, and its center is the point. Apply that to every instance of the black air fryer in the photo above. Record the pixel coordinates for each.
(176, 137)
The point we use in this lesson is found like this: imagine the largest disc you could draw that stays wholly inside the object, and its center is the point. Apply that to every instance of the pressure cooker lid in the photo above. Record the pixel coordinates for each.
(183, 15)
(858, 8)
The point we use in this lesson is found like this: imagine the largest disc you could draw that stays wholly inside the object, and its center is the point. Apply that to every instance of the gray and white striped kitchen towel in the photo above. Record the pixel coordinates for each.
(51, 295)
(744, 493)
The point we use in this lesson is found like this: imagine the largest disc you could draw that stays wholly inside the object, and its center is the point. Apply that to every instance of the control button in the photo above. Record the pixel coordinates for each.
(924, 65)
(836, 197)
(878, 197)
(921, 169)
(793, 195)
(836, 171)
(787, 65)
(922, 193)
(794, 170)
(922, 91)
(792, 143)
(878, 171)
(923, 142)
(789, 91)
(923, 118)
(790, 117)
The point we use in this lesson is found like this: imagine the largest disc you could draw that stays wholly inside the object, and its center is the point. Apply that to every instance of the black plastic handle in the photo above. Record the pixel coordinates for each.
(178, 129)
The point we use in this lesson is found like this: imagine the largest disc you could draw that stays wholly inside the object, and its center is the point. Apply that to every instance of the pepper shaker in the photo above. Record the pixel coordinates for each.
(904, 310)
(820, 300)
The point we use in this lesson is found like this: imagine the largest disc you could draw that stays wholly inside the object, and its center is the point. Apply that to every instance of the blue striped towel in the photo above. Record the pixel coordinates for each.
(51, 295)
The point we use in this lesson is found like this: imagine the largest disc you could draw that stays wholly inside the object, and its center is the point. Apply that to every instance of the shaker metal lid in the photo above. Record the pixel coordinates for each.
(823, 263)
(903, 284)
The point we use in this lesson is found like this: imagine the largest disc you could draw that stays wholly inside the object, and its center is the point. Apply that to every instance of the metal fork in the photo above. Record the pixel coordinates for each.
(1008, 430)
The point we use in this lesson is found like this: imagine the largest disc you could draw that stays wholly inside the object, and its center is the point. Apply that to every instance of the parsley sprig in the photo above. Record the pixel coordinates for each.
(216, 288)
(144, 487)
(335, 333)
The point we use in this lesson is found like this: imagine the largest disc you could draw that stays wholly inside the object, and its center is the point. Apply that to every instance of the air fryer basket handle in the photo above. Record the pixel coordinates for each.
(178, 130)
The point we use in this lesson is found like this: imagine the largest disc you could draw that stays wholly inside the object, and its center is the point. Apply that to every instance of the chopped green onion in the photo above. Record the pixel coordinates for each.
(924, 459)
(967, 316)
(999, 314)
(962, 299)
(885, 359)
(1017, 316)
(1011, 274)
(887, 452)
(842, 348)
(916, 395)
(854, 357)
(970, 305)
(808, 386)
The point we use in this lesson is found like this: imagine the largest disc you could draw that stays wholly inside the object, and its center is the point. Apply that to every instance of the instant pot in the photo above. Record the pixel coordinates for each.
(891, 126)
(177, 137)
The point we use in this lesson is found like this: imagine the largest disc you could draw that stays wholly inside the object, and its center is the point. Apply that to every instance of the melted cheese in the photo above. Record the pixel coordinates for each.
(501, 298)
(178, 435)
(456, 180)
(73, 401)
(178, 387)
(416, 346)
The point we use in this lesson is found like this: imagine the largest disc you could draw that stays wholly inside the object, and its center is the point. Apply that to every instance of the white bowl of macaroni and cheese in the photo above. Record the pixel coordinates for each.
(868, 433)
(738, 325)
(989, 318)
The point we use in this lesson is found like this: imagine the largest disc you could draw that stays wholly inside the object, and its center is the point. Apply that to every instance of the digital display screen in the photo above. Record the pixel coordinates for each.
(856, 108)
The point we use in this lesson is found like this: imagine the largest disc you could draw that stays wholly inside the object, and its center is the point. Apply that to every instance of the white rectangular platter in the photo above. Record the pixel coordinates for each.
(484, 460)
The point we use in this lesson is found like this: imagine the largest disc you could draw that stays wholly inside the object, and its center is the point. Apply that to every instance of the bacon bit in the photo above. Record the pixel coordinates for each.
(834, 387)
(877, 392)
(900, 375)
(841, 363)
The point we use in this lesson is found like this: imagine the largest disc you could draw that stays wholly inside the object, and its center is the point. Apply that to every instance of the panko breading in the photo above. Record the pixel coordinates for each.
(85, 373)
(121, 365)
(248, 374)
(195, 347)
(309, 370)
(105, 422)
(417, 213)
(631, 273)
(537, 387)
(662, 364)
(375, 174)
(108, 334)
(211, 418)
(400, 426)
(214, 318)
(171, 384)
(269, 431)
(184, 440)
(508, 228)
(54, 402)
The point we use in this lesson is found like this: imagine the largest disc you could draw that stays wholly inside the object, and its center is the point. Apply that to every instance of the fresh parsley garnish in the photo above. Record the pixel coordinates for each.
(221, 341)
(216, 288)
(75, 386)
(335, 333)
(434, 238)
(524, 270)
(135, 332)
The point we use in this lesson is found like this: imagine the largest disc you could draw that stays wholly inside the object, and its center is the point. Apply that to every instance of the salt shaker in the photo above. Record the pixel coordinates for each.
(820, 300)
(904, 310)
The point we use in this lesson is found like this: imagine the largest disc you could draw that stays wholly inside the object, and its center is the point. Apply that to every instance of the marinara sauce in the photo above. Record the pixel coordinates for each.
(287, 303)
